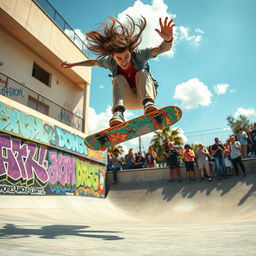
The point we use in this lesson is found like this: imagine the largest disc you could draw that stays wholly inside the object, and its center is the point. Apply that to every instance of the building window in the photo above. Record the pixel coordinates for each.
(38, 105)
(40, 74)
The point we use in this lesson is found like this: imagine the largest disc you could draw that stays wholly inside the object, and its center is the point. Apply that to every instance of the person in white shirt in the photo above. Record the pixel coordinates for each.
(242, 137)
(236, 156)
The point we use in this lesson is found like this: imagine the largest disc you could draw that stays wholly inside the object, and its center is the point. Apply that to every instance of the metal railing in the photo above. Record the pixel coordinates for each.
(53, 14)
(20, 93)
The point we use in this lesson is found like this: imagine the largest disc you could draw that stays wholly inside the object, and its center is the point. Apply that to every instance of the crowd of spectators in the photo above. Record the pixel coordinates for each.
(218, 160)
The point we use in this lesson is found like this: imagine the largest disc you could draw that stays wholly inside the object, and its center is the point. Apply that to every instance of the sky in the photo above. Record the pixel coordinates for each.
(210, 72)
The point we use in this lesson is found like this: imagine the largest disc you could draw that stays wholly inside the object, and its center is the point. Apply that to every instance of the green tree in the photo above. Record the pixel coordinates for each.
(161, 139)
(241, 122)
(116, 147)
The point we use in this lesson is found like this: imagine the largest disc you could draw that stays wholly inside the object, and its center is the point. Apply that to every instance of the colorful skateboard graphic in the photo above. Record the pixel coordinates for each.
(133, 128)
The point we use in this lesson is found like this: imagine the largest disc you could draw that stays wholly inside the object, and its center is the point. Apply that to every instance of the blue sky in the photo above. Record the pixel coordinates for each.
(210, 72)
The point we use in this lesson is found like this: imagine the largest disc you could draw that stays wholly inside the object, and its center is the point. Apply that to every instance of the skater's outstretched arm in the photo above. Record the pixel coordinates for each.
(166, 32)
(86, 63)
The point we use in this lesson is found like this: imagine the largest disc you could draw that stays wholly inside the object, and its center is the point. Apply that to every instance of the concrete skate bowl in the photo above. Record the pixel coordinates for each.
(228, 200)
(137, 218)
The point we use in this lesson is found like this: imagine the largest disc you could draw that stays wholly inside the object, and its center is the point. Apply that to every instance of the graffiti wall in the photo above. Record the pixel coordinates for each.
(29, 127)
(29, 168)
(44, 159)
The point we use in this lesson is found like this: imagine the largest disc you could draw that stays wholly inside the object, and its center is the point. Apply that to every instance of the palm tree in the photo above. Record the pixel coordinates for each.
(116, 147)
(161, 139)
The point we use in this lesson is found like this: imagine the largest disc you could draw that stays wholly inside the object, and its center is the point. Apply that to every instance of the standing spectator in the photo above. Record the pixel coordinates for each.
(212, 162)
(117, 164)
(202, 155)
(236, 156)
(189, 160)
(227, 160)
(109, 162)
(253, 139)
(139, 161)
(242, 137)
(171, 155)
(249, 143)
(129, 159)
(151, 158)
(217, 152)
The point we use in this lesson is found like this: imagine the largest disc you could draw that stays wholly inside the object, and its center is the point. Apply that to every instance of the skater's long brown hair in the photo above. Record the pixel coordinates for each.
(115, 37)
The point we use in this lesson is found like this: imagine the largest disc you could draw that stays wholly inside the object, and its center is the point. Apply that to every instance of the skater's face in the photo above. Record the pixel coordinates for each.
(123, 59)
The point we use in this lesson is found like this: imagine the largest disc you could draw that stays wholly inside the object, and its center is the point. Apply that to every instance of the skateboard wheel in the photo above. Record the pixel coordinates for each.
(160, 126)
(103, 147)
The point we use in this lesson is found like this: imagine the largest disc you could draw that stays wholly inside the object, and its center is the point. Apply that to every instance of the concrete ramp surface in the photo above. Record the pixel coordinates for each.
(136, 218)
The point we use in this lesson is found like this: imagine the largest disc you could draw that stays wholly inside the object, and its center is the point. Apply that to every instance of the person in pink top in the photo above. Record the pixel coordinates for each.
(189, 160)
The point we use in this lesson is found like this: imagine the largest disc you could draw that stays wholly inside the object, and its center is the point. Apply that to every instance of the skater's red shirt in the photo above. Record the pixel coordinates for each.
(129, 74)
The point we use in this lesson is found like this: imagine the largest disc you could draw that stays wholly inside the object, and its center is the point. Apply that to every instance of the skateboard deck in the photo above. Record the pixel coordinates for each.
(133, 128)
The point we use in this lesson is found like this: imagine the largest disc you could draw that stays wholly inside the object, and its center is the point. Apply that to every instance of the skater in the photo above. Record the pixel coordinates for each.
(116, 45)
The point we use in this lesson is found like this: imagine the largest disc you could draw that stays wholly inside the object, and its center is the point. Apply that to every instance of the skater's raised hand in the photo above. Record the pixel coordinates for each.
(65, 64)
(166, 29)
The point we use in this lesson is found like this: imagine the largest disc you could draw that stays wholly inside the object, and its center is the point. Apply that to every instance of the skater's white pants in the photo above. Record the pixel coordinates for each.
(124, 96)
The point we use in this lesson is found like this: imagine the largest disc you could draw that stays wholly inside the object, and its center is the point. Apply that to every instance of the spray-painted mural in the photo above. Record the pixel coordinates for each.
(29, 127)
(30, 168)
(37, 158)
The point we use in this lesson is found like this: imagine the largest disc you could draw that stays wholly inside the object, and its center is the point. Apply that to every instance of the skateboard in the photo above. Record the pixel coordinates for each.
(156, 120)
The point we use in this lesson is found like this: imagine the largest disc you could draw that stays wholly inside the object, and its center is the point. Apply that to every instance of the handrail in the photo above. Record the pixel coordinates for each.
(10, 88)
(55, 16)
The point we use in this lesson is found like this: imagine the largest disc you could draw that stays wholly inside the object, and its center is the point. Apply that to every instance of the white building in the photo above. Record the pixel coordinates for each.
(33, 43)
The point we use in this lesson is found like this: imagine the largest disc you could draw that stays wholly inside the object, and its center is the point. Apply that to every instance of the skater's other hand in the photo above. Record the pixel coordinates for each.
(166, 29)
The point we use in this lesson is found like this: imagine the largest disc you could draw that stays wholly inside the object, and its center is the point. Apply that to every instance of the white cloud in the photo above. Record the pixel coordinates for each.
(193, 93)
(182, 134)
(245, 112)
(233, 90)
(221, 88)
(200, 31)
(183, 34)
(152, 12)
(74, 38)
(99, 122)
(150, 38)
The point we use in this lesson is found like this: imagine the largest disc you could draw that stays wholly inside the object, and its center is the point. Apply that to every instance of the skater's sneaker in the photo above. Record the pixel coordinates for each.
(149, 107)
(118, 118)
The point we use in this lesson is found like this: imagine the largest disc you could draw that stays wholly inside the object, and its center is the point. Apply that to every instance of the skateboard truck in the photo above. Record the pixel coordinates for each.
(102, 138)
(159, 120)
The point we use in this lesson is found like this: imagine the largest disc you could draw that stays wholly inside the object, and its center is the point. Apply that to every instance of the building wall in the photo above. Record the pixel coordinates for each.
(28, 15)
(27, 36)
(41, 156)
(18, 63)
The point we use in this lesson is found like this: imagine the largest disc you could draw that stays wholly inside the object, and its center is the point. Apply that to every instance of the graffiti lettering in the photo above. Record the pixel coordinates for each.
(18, 123)
(10, 91)
(87, 176)
(71, 142)
(22, 163)
(8, 189)
(15, 122)
(61, 172)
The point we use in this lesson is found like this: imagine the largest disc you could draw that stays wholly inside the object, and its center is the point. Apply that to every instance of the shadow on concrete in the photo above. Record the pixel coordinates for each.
(10, 231)
(190, 189)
